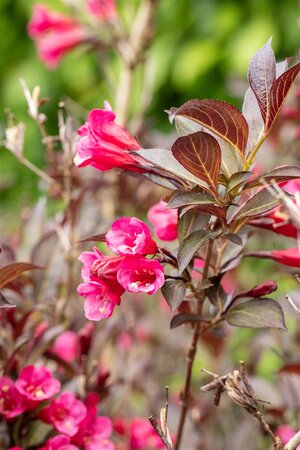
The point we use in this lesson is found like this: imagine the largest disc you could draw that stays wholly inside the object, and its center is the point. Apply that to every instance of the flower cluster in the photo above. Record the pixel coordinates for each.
(107, 277)
(75, 421)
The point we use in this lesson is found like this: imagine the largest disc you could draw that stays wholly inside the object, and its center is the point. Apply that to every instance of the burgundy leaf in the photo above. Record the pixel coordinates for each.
(261, 76)
(4, 303)
(219, 117)
(12, 271)
(174, 292)
(279, 91)
(94, 238)
(181, 319)
(200, 154)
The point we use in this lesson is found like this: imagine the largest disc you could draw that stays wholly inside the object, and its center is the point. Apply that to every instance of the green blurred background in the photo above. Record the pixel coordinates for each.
(202, 49)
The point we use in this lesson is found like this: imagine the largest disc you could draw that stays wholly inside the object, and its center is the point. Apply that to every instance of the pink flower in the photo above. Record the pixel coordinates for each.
(101, 288)
(36, 383)
(164, 221)
(285, 432)
(66, 346)
(130, 236)
(59, 442)
(11, 401)
(288, 257)
(142, 435)
(138, 274)
(94, 430)
(103, 9)
(65, 413)
(53, 46)
(43, 20)
(55, 34)
(104, 144)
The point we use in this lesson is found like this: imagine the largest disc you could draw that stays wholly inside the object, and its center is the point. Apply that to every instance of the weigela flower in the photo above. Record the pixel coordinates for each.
(55, 34)
(65, 413)
(11, 401)
(138, 274)
(288, 257)
(104, 144)
(59, 442)
(36, 383)
(94, 432)
(285, 432)
(101, 288)
(102, 9)
(164, 221)
(142, 435)
(130, 236)
(66, 346)
(43, 20)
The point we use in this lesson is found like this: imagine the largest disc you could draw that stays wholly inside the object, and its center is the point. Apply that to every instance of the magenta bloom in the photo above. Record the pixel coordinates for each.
(288, 257)
(142, 435)
(164, 221)
(138, 274)
(104, 144)
(66, 346)
(37, 383)
(285, 432)
(130, 236)
(102, 9)
(11, 401)
(55, 34)
(65, 413)
(94, 432)
(101, 288)
(59, 442)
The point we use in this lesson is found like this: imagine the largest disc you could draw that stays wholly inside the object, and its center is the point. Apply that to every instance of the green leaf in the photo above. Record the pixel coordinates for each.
(191, 245)
(174, 292)
(262, 313)
(200, 154)
(261, 202)
(190, 198)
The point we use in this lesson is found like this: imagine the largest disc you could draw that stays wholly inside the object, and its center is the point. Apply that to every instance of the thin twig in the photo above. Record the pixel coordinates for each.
(192, 353)
(159, 431)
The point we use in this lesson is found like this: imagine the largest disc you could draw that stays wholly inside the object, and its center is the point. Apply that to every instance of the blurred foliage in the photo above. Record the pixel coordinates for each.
(201, 49)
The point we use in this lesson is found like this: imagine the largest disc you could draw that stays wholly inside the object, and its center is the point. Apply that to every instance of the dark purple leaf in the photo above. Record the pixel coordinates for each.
(261, 202)
(190, 198)
(94, 238)
(12, 271)
(261, 76)
(191, 245)
(237, 180)
(181, 319)
(220, 118)
(257, 313)
(174, 292)
(4, 303)
(278, 175)
(200, 154)
(279, 91)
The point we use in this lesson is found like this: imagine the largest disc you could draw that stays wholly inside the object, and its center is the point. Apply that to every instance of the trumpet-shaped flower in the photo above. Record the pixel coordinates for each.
(130, 236)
